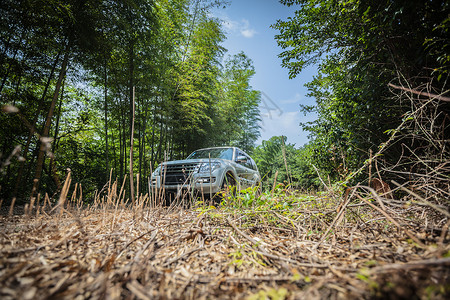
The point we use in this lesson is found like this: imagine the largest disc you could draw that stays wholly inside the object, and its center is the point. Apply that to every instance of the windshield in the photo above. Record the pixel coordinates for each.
(224, 153)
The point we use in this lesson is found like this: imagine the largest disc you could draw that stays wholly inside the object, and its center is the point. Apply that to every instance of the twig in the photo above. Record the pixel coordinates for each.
(168, 263)
(414, 238)
(320, 178)
(11, 208)
(440, 262)
(334, 221)
(432, 205)
(376, 196)
(255, 242)
(263, 251)
(64, 191)
(426, 94)
(138, 290)
(134, 240)
(274, 182)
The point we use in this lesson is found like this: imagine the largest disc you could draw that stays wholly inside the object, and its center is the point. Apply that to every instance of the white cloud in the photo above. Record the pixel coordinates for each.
(229, 25)
(245, 29)
(248, 33)
(296, 99)
(275, 123)
(238, 27)
(279, 122)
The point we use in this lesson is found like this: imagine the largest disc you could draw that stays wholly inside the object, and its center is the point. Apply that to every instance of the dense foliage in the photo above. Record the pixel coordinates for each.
(280, 162)
(383, 75)
(85, 74)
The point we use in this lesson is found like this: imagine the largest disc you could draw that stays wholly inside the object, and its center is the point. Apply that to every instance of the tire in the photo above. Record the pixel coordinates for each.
(228, 183)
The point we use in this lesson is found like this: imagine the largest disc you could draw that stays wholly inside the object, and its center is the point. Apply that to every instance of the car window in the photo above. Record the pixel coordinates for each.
(224, 153)
(248, 162)
(239, 154)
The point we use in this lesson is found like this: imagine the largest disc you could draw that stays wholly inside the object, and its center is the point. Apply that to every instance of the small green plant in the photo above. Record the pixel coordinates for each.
(364, 275)
(237, 258)
(273, 294)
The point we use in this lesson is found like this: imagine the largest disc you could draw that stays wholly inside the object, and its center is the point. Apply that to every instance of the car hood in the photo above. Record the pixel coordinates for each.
(195, 161)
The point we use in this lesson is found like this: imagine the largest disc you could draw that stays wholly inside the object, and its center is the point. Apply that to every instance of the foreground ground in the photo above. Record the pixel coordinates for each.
(310, 248)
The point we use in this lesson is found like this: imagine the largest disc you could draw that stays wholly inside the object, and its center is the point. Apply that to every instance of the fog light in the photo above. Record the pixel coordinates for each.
(206, 180)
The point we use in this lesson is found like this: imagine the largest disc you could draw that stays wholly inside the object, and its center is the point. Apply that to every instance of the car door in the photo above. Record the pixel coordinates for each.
(253, 175)
(250, 167)
(241, 169)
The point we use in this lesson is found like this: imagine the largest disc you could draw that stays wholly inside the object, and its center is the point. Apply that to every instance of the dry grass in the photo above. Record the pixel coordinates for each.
(321, 247)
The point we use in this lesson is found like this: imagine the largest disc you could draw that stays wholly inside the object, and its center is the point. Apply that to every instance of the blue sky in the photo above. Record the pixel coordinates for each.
(247, 25)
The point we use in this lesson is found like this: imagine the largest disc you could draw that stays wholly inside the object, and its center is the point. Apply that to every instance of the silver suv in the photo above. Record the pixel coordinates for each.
(207, 171)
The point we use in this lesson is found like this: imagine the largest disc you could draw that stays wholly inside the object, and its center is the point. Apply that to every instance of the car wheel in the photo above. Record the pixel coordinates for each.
(228, 184)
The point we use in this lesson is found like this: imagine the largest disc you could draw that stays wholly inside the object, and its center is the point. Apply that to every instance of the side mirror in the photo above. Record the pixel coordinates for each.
(241, 159)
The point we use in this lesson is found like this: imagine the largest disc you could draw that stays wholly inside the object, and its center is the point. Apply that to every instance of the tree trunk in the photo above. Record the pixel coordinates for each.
(52, 166)
(139, 134)
(124, 144)
(33, 126)
(161, 141)
(152, 159)
(106, 119)
(142, 160)
(131, 151)
(48, 120)
(114, 153)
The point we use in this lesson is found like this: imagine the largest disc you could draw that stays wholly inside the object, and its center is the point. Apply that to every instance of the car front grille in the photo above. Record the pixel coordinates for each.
(179, 174)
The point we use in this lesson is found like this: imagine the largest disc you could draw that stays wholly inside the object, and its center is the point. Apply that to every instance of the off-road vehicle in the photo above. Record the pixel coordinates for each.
(206, 172)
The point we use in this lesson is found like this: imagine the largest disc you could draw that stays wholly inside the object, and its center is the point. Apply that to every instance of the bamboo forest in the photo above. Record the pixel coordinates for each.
(101, 100)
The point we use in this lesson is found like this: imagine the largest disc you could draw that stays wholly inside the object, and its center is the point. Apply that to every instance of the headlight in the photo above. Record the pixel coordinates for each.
(209, 167)
(157, 171)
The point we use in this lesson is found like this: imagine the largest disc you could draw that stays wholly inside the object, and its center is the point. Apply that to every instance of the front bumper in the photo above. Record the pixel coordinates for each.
(203, 183)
